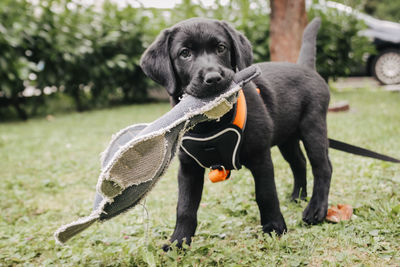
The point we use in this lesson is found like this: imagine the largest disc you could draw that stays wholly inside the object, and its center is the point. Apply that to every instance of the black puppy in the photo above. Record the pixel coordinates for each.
(199, 57)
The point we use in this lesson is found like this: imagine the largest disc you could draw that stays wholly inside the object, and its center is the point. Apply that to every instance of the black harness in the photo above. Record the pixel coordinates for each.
(221, 147)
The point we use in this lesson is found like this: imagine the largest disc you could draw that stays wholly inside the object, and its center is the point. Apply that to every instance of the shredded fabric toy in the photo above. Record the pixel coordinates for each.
(138, 155)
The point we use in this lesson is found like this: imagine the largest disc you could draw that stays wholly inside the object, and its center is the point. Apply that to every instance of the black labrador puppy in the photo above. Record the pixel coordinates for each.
(199, 57)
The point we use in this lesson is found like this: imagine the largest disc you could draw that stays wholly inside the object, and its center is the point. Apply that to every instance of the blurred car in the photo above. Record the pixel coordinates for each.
(385, 35)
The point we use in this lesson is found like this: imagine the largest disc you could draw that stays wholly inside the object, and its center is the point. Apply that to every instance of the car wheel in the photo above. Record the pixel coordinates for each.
(386, 66)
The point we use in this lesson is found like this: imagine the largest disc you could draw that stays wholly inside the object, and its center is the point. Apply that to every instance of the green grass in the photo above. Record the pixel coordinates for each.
(49, 169)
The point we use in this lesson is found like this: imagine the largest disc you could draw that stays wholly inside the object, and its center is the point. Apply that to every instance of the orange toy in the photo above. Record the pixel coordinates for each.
(218, 175)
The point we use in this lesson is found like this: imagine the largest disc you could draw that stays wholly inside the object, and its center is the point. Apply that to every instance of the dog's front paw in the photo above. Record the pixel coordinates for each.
(278, 226)
(315, 212)
(178, 243)
(169, 246)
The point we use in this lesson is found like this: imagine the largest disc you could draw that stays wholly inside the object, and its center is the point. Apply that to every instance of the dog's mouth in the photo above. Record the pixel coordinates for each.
(210, 83)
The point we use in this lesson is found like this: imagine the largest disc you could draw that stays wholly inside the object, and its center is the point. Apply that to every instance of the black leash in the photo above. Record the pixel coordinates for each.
(359, 151)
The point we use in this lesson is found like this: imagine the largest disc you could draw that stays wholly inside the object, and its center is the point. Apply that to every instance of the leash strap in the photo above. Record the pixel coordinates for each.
(359, 151)
(356, 150)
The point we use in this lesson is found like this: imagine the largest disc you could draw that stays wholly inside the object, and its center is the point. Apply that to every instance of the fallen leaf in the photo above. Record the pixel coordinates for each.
(341, 212)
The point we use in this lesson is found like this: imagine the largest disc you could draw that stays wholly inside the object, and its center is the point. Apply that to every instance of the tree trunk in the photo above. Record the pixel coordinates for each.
(288, 20)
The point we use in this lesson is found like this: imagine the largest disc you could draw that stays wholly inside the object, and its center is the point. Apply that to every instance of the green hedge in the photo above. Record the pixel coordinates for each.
(88, 55)
(77, 54)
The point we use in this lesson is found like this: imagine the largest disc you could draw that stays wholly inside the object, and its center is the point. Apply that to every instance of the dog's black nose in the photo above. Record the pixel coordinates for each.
(212, 78)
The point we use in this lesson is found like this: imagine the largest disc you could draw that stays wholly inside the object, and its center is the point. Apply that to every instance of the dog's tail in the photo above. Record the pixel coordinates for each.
(307, 58)
(308, 49)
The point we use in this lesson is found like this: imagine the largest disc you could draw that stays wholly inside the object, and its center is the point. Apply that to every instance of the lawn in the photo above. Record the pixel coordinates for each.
(49, 169)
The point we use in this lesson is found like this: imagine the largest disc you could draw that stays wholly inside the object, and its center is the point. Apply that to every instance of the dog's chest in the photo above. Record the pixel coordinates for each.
(215, 144)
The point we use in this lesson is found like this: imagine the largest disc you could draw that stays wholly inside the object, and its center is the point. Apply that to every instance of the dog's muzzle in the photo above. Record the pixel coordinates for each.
(210, 82)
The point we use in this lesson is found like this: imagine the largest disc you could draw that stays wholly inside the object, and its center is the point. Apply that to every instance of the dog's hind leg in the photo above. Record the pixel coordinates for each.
(292, 153)
(266, 195)
(190, 181)
(314, 136)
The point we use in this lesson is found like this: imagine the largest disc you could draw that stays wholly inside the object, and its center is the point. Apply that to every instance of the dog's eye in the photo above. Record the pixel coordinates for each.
(185, 53)
(221, 48)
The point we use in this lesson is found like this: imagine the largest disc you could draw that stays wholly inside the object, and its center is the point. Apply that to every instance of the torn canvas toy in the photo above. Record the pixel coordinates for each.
(138, 155)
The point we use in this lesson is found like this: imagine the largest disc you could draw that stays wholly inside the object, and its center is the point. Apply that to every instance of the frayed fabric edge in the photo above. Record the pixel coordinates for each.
(84, 222)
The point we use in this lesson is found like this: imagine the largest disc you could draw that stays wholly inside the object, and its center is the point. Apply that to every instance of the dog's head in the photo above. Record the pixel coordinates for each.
(196, 56)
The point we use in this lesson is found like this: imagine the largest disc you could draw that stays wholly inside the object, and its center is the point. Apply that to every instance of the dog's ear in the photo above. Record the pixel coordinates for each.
(156, 62)
(242, 56)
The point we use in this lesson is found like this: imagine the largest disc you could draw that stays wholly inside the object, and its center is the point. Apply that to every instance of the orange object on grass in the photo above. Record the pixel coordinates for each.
(341, 212)
(218, 175)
